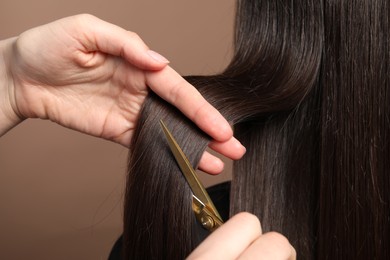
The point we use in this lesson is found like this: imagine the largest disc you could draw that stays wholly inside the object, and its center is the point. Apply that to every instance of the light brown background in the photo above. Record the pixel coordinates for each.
(61, 191)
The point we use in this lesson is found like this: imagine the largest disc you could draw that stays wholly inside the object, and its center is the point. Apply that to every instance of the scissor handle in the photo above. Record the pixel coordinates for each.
(206, 216)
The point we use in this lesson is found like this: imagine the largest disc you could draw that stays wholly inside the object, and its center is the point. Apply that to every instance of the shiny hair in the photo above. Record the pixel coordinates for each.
(308, 94)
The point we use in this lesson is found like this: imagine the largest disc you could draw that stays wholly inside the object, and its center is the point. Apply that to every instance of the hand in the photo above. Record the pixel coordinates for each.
(241, 238)
(92, 76)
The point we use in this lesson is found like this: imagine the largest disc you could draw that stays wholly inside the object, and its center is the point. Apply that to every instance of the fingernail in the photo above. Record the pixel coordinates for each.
(157, 56)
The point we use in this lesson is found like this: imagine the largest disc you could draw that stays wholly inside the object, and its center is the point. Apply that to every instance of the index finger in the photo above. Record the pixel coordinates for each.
(169, 85)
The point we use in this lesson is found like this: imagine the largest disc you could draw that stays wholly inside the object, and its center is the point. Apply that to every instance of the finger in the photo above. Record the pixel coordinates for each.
(210, 164)
(232, 148)
(99, 35)
(271, 245)
(169, 85)
(229, 240)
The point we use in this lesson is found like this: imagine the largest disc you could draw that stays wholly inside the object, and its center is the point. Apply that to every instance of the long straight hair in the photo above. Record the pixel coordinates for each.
(308, 94)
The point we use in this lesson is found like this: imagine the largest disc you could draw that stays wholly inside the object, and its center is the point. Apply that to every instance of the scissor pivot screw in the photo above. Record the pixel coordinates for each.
(207, 222)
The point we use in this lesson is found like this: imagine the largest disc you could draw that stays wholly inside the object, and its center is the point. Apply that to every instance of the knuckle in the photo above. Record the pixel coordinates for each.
(87, 18)
(129, 46)
(134, 36)
(176, 90)
(200, 111)
(85, 21)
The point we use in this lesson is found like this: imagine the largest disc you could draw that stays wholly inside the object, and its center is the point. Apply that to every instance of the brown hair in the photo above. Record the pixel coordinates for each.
(308, 93)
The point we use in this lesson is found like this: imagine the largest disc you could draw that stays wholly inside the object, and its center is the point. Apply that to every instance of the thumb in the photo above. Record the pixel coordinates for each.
(229, 240)
(114, 40)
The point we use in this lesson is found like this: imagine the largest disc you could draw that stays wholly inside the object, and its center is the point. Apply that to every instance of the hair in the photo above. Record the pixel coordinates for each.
(307, 91)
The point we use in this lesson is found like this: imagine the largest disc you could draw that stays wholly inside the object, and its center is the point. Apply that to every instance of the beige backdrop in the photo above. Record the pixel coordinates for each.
(61, 191)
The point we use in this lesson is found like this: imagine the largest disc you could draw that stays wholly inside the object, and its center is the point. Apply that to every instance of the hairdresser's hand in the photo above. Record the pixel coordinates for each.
(241, 238)
(92, 76)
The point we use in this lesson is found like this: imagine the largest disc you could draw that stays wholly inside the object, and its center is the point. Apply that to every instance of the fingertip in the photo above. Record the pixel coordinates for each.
(219, 128)
(239, 149)
(226, 130)
(152, 61)
(211, 164)
(218, 167)
(232, 148)
(158, 57)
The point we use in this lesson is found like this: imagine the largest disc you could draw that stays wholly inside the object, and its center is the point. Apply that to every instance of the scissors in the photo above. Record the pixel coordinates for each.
(203, 207)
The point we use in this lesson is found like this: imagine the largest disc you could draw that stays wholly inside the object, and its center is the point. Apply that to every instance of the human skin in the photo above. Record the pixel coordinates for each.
(92, 76)
(241, 238)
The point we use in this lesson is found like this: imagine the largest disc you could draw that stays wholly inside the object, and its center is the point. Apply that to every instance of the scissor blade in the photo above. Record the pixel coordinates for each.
(188, 172)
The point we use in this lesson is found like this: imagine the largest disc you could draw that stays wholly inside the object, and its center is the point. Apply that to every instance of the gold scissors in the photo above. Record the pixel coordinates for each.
(203, 207)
